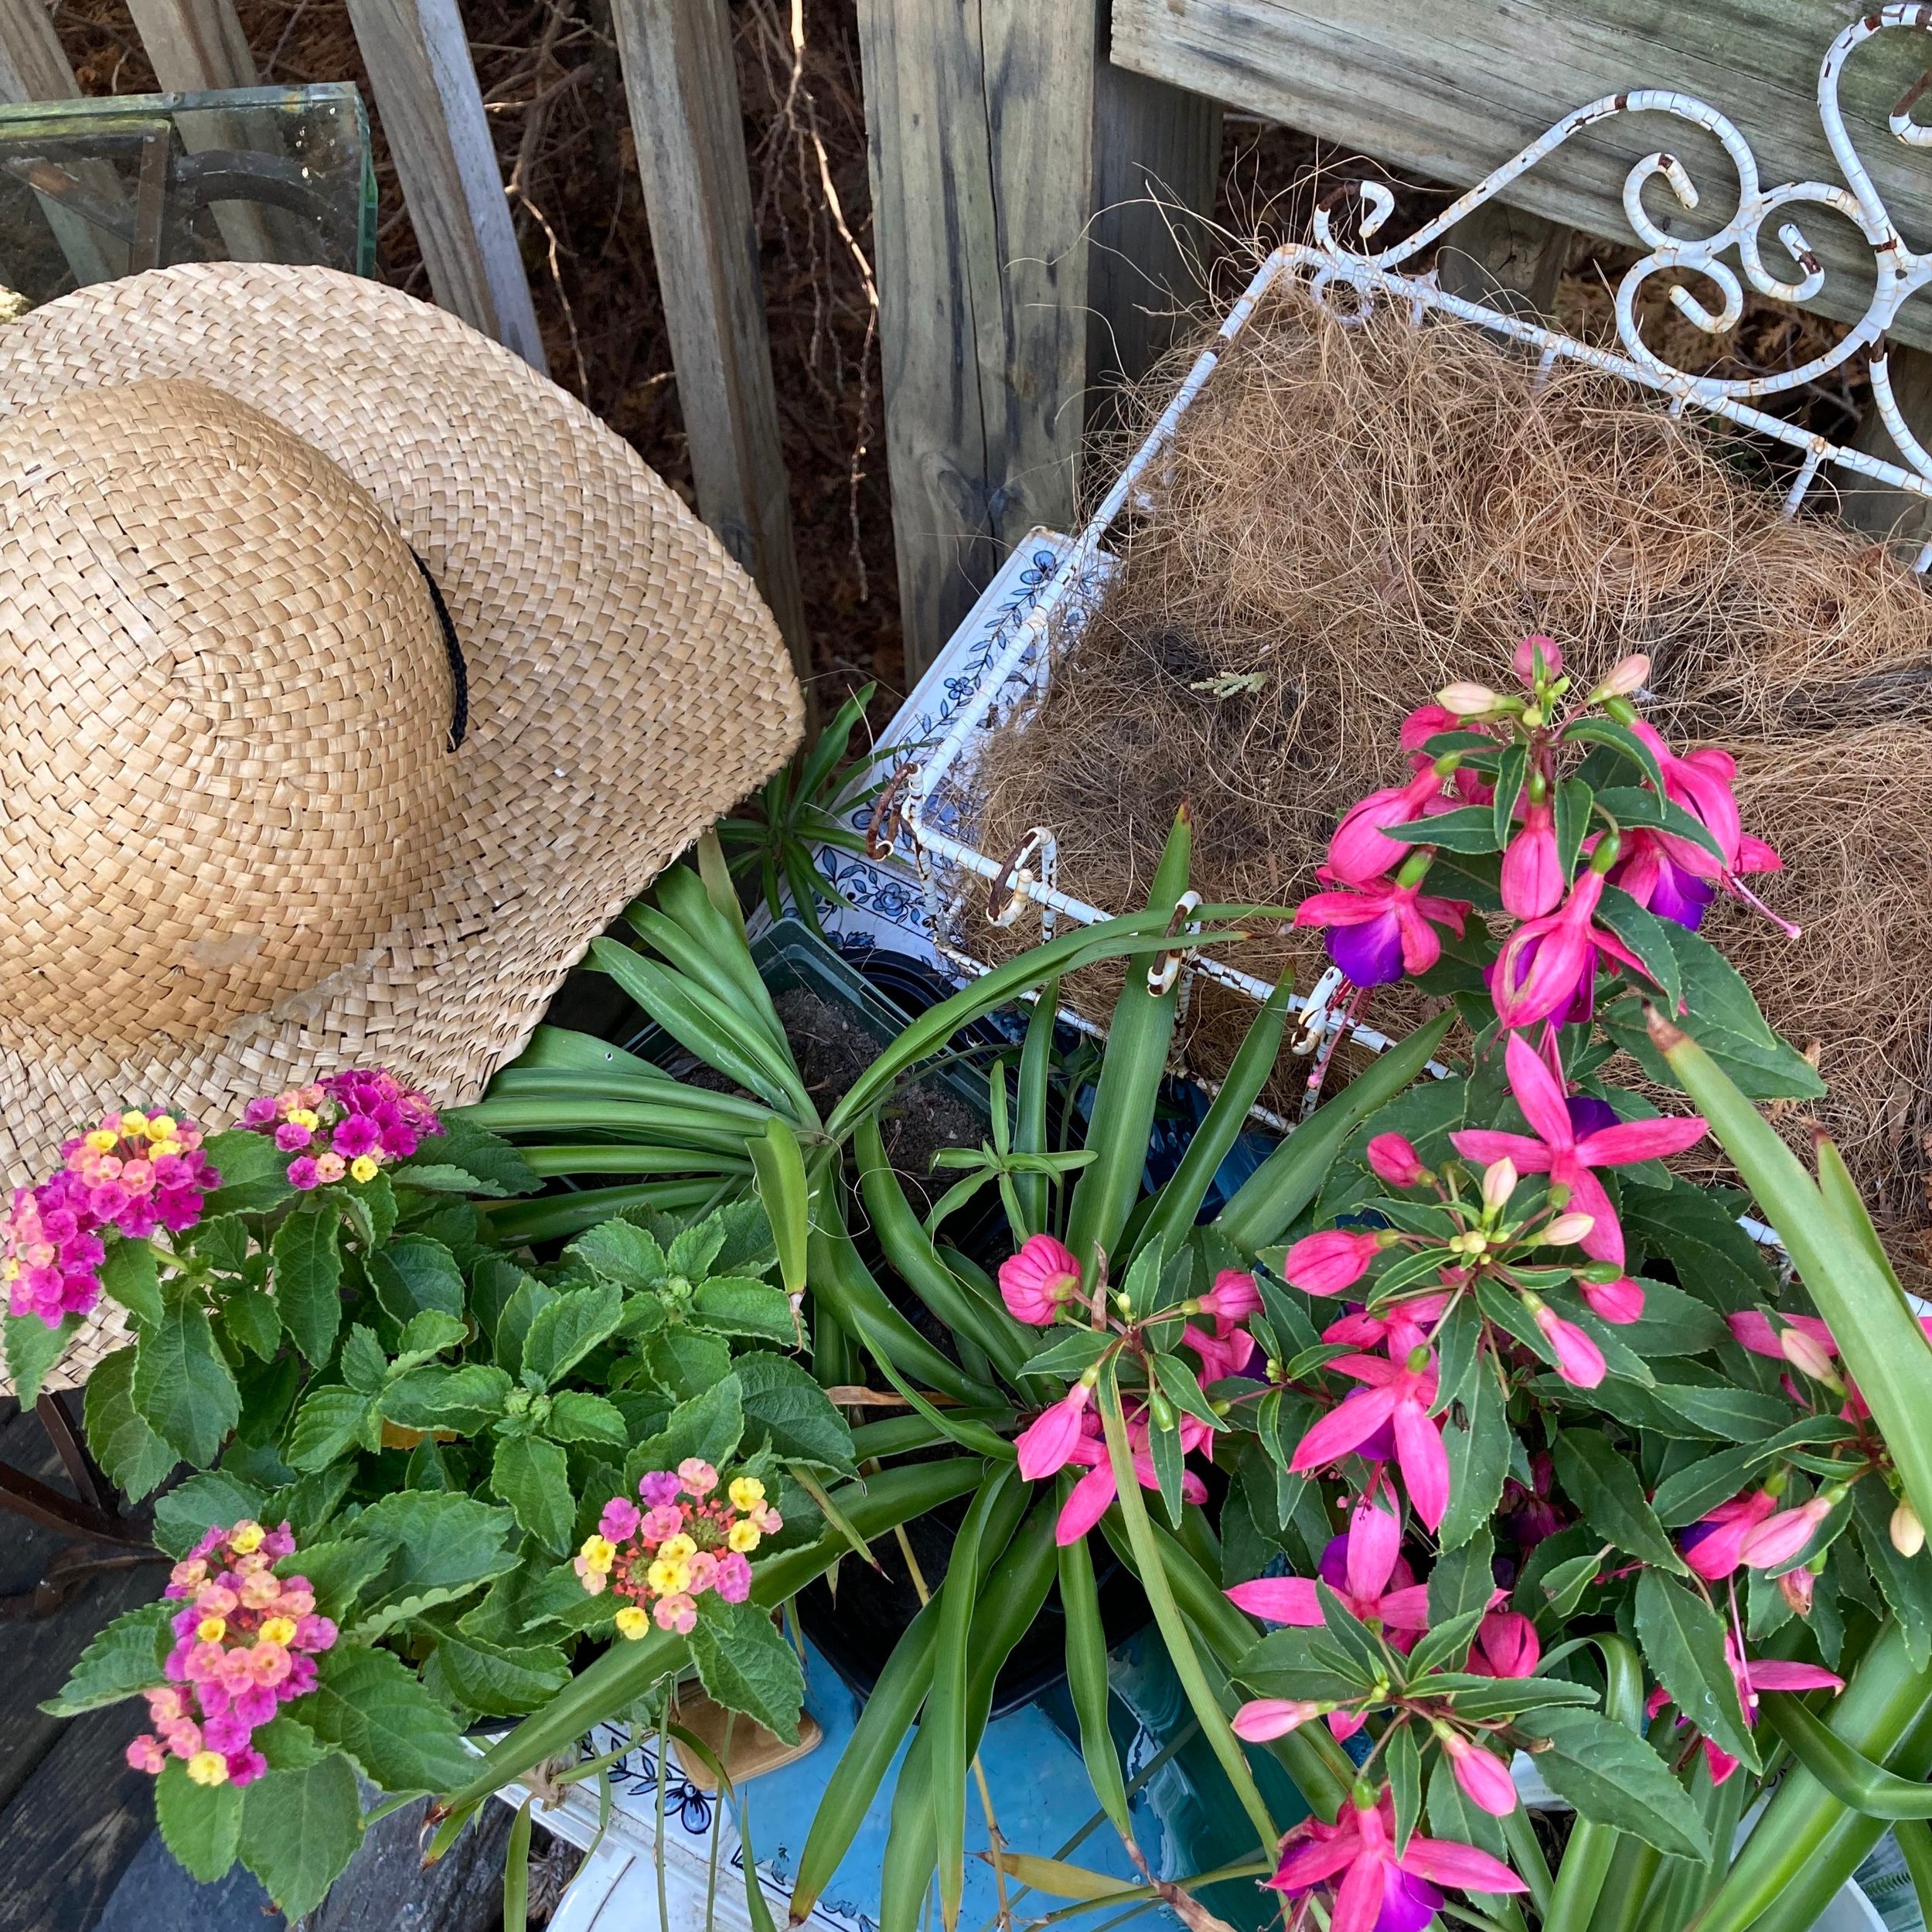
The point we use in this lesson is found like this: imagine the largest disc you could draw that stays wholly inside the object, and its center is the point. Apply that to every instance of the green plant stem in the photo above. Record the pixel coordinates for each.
(1915, 1847)
(1626, 1886)
(1173, 1628)
(1527, 1856)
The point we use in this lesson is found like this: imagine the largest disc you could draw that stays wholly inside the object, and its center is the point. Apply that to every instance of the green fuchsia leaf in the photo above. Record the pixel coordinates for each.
(1600, 1480)
(1476, 1434)
(1683, 1642)
(1613, 1777)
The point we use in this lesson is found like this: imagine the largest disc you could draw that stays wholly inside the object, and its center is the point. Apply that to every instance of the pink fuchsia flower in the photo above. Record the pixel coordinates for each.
(1233, 1296)
(1035, 1282)
(1778, 1538)
(1754, 1676)
(1578, 1360)
(1713, 1546)
(1558, 1151)
(1337, 1257)
(1383, 929)
(1047, 1444)
(1377, 1891)
(1619, 1302)
(1408, 1323)
(1393, 1161)
(1548, 965)
(1506, 1645)
(619, 1520)
(1092, 1496)
(1533, 878)
(1361, 851)
(1360, 1567)
(1649, 870)
(1263, 1718)
(1400, 1395)
(1483, 1776)
(1226, 1353)
(1751, 1328)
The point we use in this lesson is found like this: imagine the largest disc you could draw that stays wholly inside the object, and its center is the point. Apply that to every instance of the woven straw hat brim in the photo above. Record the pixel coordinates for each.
(626, 684)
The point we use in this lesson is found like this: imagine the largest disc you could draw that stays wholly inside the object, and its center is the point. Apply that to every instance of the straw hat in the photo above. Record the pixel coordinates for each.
(277, 796)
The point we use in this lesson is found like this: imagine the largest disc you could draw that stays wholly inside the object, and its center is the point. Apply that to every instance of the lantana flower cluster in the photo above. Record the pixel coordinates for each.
(131, 1174)
(351, 1126)
(686, 1539)
(246, 1642)
(1041, 1284)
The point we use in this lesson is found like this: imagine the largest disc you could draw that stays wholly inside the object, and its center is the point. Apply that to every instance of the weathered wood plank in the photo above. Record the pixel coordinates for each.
(682, 86)
(1507, 258)
(1156, 160)
(74, 1826)
(432, 113)
(1453, 89)
(979, 125)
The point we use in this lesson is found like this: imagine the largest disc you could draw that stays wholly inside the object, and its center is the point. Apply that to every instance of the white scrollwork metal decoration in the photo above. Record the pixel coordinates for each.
(941, 844)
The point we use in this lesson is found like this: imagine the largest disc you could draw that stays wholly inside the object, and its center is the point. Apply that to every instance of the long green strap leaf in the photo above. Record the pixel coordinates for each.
(1087, 1678)
(946, 1711)
(1173, 1629)
(842, 1281)
(1132, 1067)
(786, 1196)
(1030, 1120)
(1882, 1343)
(1291, 1176)
(558, 1216)
(1851, 1777)
(627, 1670)
(909, 1249)
(1180, 1199)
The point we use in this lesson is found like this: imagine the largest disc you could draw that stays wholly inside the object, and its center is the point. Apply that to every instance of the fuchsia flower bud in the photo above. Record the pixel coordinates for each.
(1035, 1282)
(1578, 1360)
(1778, 1538)
(1533, 882)
(1263, 1718)
(1047, 1444)
(1506, 1645)
(1712, 1547)
(1233, 1296)
(1566, 1230)
(1523, 663)
(1465, 700)
(1361, 851)
(1809, 1357)
(1619, 1301)
(1483, 1776)
(1499, 1183)
(1326, 1263)
(1625, 678)
(1392, 1158)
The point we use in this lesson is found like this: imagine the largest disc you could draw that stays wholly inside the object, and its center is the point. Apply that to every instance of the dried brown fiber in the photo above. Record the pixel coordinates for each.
(1349, 517)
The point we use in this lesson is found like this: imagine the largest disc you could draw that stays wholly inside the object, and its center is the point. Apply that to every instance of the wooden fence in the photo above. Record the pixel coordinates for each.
(1031, 162)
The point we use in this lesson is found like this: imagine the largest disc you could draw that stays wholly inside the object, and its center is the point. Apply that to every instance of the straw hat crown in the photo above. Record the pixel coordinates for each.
(226, 730)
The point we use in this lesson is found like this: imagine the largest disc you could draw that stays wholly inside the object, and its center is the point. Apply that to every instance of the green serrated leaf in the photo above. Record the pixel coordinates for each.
(338, 1570)
(200, 1824)
(1613, 1777)
(747, 1666)
(124, 1659)
(254, 1171)
(332, 1420)
(132, 1276)
(787, 1411)
(368, 1703)
(533, 1477)
(201, 1503)
(500, 1680)
(412, 1272)
(1476, 1434)
(623, 1252)
(467, 1399)
(182, 1387)
(299, 1829)
(739, 1305)
(1599, 1478)
(308, 1277)
(563, 1332)
(33, 1348)
(135, 1459)
(1682, 1639)
(443, 1546)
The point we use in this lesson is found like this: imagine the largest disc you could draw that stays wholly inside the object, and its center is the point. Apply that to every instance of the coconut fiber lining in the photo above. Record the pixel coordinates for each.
(1349, 517)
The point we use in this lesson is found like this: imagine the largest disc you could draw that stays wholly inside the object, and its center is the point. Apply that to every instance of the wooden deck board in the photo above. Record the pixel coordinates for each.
(72, 1812)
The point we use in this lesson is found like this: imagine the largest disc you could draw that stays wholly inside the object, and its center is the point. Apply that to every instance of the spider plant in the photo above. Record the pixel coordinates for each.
(580, 1107)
